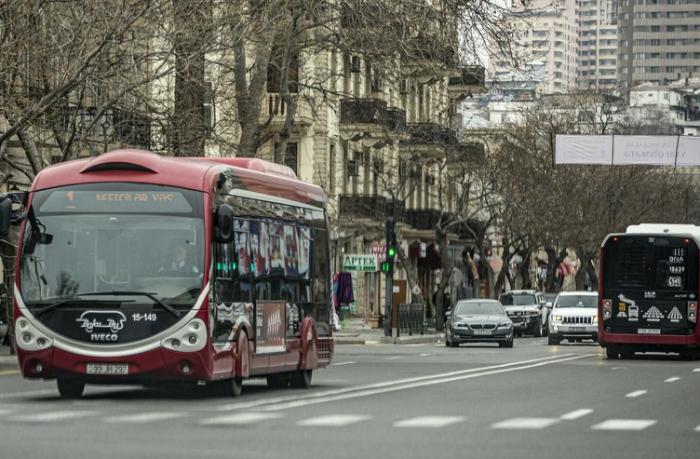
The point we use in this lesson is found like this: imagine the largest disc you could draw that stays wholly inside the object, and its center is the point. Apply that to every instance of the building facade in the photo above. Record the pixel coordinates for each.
(597, 44)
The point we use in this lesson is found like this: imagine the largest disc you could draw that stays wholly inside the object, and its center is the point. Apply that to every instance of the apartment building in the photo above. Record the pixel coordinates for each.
(659, 41)
(547, 33)
(597, 44)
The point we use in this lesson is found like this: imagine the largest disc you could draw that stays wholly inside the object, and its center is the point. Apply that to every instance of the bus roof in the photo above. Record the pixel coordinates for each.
(664, 228)
(140, 166)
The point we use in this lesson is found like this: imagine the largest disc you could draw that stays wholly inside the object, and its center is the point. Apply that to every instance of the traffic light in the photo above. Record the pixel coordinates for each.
(387, 266)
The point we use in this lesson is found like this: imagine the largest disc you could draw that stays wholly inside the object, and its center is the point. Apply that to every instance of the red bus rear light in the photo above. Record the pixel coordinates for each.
(692, 311)
(607, 309)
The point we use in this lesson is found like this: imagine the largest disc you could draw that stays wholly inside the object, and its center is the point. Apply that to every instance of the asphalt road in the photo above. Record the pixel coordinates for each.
(409, 401)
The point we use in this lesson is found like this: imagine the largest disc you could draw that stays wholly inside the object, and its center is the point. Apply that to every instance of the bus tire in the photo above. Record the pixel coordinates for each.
(70, 389)
(611, 353)
(301, 379)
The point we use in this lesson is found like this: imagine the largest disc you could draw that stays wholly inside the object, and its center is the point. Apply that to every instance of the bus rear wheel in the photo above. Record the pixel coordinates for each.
(301, 379)
(70, 389)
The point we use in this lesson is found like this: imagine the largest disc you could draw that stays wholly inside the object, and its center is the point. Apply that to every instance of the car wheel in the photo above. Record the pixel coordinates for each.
(552, 340)
(537, 329)
(508, 343)
(611, 353)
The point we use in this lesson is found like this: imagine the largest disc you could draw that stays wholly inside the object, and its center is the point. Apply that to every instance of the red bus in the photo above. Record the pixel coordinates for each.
(648, 292)
(142, 269)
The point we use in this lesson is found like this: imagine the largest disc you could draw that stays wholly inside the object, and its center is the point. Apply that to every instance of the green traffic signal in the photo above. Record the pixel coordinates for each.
(386, 266)
(391, 251)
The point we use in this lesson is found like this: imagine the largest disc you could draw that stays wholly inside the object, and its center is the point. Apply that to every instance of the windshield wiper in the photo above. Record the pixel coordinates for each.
(39, 311)
(148, 295)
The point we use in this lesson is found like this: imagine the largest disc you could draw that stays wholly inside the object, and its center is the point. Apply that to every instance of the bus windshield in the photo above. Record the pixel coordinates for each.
(112, 238)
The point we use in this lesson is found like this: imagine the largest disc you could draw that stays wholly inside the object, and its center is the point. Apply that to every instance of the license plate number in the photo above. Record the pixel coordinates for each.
(649, 331)
(107, 369)
(482, 332)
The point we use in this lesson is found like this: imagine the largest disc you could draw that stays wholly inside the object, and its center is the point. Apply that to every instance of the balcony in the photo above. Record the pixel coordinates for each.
(275, 109)
(423, 219)
(433, 49)
(362, 206)
(470, 76)
(430, 134)
(372, 111)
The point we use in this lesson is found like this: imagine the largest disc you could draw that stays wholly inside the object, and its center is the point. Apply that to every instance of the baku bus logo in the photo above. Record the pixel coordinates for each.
(100, 320)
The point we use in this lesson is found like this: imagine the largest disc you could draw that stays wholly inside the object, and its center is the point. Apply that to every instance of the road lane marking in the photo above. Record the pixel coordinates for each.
(334, 420)
(429, 421)
(239, 419)
(635, 394)
(423, 355)
(342, 363)
(697, 429)
(576, 414)
(4, 412)
(30, 392)
(394, 357)
(143, 417)
(525, 423)
(55, 416)
(384, 384)
(413, 385)
(672, 379)
(624, 424)
(696, 370)
(9, 372)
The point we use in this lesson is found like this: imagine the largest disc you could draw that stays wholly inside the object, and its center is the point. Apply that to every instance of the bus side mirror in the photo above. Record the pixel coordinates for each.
(223, 224)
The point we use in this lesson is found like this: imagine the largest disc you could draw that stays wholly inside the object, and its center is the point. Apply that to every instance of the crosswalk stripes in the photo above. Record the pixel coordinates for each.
(54, 416)
(624, 424)
(576, 414)
(239, 419)
(143, 418)
(429, 421)
(525, 423)
(334, 420)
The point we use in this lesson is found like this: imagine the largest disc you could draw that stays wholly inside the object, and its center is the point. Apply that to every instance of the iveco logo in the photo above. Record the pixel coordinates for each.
(102, 320)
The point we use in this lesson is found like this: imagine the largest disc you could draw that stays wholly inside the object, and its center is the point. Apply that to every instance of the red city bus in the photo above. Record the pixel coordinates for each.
(648, 291)
(137, 268)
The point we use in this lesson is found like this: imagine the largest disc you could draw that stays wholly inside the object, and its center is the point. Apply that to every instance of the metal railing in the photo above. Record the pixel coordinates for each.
(410, 319)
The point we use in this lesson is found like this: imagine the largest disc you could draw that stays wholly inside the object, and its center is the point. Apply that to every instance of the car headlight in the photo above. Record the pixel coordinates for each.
(557, 318)
(505, 325)
(459, 325)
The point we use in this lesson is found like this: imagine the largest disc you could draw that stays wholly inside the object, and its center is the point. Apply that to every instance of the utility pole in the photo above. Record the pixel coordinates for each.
(387, 267)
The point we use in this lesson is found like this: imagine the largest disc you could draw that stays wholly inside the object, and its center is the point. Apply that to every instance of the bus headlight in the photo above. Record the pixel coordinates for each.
(190, 338)
(29, 338)
(692, 311)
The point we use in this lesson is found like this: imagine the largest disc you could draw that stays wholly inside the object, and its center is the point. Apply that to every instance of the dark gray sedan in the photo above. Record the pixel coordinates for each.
(478, 321)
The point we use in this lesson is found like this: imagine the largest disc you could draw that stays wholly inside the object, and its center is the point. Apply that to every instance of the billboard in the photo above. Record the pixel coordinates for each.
(660, 150)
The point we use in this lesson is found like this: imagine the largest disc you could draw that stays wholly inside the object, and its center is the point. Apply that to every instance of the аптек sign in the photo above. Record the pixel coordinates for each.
(360, 262)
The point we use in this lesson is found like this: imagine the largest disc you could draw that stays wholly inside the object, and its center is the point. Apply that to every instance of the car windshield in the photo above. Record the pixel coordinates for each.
(112, 238)
(478, 307)
(510, 299)
(577, 301)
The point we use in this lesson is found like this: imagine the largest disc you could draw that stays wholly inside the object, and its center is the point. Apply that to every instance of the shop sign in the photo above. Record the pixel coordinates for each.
(377, 248)
(360, 262)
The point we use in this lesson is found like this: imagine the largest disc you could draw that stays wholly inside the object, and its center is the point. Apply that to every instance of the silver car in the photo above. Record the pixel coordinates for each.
(574, 317)
(478, 321)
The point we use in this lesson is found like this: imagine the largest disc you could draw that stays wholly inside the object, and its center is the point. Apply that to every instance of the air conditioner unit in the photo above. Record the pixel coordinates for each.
(355, 64)
(353, 168)
(403, 86)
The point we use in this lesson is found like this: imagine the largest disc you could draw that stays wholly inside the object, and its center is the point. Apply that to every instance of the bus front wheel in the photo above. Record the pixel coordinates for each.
(611, 353)
(301, 379)
(70, 389)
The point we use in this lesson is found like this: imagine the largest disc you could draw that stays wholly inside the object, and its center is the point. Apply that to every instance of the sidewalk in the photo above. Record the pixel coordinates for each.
(376, 336)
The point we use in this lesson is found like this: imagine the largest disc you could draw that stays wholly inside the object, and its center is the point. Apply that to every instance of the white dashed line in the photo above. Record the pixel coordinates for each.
(576, 414)
(429, 421)
(334, 420)
(697, 429)
(342, 363)
(635, 394)
(55, 416)
(394, 358)
(424, 355)
(239, 419)
(144, 417)
(624, 424)
(672, 379)
(525, 423)
(696, 370)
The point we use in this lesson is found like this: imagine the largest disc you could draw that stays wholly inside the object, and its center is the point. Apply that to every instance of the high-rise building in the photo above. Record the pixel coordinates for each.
(597, 44)
(547, 34)
(659, 40)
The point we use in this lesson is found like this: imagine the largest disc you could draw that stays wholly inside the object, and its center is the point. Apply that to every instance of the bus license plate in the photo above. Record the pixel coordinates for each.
(107, 369)
(649, 331)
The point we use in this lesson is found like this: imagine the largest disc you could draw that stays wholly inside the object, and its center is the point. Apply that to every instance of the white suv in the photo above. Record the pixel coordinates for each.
(574, 317)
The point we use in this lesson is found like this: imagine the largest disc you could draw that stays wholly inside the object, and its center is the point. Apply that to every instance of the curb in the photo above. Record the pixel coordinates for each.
(344, 341)
(410, 339)
(9, 363)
